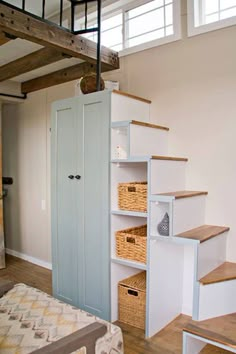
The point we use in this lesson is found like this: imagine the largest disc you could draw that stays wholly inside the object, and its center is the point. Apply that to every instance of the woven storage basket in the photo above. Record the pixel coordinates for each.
(132, 243)
(132, 196)
(132, 300)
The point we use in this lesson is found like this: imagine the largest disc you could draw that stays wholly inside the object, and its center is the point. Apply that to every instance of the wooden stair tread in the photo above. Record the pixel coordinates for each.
(220, 329)
(149, 125)
(204, 232)
(156, 157)
(122, 93)
(226, 271)
(183, 194)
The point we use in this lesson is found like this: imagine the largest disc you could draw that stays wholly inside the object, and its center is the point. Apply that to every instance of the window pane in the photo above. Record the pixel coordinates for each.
(117, 47)
(147, 22)
(169, 30)
(211, 6)
(169, 14)
(111, 22)
(228, 13)
(168, 2)
(112, 37)
(146, 37)
(144, 8)
(224, 4)
(212, 18)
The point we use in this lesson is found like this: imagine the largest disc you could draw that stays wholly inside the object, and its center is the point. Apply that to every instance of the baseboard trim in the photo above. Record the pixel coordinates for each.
(30, 259)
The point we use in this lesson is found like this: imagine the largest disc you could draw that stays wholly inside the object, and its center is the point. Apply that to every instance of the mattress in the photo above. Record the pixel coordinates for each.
(31, 319)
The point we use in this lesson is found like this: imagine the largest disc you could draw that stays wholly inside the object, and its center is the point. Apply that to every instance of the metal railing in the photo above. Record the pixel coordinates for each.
(73, 5)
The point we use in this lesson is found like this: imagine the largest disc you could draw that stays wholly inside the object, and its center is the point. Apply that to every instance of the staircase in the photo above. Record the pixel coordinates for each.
(187, 271)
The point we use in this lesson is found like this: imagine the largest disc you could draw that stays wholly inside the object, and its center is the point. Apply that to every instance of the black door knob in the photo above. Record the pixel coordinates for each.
(71, 177)
(77, 176)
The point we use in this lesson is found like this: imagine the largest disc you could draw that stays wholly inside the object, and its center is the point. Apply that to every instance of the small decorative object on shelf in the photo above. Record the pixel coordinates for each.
(163, 226)
(88, 84)
(120, 153)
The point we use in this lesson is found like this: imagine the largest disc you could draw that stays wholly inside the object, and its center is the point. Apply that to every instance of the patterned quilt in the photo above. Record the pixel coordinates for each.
(31, 319)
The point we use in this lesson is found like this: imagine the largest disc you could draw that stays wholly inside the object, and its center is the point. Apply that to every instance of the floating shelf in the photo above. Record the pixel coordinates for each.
(129, 213)
(129, 263)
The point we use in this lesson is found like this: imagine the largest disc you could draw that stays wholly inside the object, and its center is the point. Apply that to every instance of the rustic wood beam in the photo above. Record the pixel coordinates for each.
(46, 34)
(3, 38)
(74, 72)
(30, 62)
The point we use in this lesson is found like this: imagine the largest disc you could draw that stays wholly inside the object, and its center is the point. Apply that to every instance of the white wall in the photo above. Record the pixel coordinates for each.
(192, 84)
(26, 158)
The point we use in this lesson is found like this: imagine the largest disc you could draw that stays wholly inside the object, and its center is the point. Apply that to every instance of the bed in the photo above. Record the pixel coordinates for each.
(32, 321)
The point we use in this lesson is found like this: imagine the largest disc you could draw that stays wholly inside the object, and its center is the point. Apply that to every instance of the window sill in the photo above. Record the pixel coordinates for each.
(194, 31)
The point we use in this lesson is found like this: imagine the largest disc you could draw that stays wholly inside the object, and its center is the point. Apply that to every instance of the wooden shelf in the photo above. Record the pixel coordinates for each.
(220, 330)
(132, 96)
(129, 213)
(183, 194)
(203, 233)
(149, 125)
(225, 272)
(171, 158)
(129, 263)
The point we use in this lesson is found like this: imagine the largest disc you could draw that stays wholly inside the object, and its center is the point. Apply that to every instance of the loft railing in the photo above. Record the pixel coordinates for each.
(74, 4)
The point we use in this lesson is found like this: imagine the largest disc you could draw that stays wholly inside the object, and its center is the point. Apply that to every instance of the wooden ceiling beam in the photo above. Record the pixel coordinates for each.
(4, 38)
(46, 34)
(32, 61)
(74, 72)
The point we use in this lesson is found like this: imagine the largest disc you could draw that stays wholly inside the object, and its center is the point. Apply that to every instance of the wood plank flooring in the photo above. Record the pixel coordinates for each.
(167, 341)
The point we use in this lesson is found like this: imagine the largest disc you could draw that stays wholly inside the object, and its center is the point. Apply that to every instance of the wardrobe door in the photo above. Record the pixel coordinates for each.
(93, 189)
(64, 203)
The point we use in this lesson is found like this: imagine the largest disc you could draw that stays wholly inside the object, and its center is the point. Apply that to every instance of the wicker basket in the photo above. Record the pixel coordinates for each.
(132, 196)
(132, 300)
(132, 243)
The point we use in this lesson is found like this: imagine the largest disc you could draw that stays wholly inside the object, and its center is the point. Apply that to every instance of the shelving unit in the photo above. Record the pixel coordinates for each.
(95, 125)
(175, 262)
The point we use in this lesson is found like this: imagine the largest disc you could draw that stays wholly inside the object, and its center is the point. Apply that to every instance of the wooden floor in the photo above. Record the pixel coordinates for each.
(168, 341)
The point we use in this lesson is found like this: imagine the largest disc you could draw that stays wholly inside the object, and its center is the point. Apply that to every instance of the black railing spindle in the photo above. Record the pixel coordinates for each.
(99, 18)
(43, 9)
(61, 12)
(86, 15)
(23, 5)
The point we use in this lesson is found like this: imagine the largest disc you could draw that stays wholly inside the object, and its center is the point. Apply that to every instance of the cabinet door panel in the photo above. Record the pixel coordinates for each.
(64, 201)
(94, 238)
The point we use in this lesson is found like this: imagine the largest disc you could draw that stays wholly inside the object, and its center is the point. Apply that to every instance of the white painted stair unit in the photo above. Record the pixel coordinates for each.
(98, 141)
(176, 264)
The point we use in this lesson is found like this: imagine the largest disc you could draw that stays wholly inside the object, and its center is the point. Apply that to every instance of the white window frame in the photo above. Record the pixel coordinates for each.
(193, 11)
(126, 5)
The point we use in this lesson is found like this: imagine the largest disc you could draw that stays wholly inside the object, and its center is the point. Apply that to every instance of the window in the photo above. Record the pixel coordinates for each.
(207, 15)
(130, 28)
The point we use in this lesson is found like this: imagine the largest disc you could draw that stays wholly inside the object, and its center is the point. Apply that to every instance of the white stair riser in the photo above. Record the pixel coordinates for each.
(165, 284)
(191, 344)
(189, 269)
(167, 176)
(136, 140)
(211, 254)
(217, 299)
(126, 108)
(188, 213)
(148, 141)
